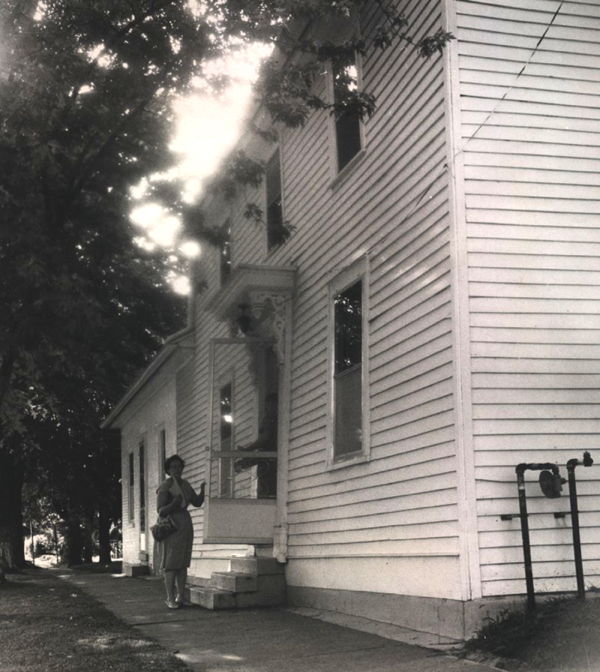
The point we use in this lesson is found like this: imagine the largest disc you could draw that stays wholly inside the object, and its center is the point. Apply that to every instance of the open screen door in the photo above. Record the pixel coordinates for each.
(242, 427)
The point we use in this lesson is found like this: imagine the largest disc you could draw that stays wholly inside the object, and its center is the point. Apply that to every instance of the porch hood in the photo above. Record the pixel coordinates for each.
(246, 282)
(254, 301)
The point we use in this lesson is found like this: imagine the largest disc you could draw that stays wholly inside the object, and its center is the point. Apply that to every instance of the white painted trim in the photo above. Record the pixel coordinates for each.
(209, 420)
(280, 541)
(247, 277)
(465, 459)
(358, 270)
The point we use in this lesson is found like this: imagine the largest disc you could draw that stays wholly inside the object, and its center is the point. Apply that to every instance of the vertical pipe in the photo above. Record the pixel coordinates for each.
(525, 536)
(571, 464)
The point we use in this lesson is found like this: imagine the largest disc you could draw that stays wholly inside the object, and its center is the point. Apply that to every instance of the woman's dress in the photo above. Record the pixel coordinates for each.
(175, 552)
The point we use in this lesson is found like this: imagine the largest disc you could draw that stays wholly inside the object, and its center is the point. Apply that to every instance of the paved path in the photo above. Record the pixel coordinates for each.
(258, 640)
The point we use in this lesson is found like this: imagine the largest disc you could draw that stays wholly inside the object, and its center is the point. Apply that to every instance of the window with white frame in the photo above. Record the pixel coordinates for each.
(348, 365)
(225, 253)
(346, 77)
(131, 489)
(276, 234)
(142, 483)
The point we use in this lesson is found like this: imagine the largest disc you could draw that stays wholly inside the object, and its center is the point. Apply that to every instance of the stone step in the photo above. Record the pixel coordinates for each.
(235, 582)
(211, 598)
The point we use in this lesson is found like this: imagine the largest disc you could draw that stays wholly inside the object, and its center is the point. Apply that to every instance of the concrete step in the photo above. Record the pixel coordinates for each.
(135, 570)
(235, 582)
(260, 566)
(211, 598)
(270, 592)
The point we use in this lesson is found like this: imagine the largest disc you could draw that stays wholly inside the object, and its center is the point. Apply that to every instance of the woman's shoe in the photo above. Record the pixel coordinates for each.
(172, 604)
(179, 602)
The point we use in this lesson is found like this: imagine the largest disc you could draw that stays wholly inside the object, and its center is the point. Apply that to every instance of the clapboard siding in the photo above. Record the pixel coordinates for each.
(531, 149)
(390, 205)
(153, 409)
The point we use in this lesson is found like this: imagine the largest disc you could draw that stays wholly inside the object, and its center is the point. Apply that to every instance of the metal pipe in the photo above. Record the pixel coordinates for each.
(521, 469)
(525, 537)
(571, 465)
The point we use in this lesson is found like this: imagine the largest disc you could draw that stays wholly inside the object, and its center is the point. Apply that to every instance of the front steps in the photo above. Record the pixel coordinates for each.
(249, 582)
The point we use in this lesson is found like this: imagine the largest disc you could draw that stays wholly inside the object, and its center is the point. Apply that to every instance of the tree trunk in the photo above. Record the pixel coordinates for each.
(19, 530)
(12, 553)
(73, 550)
(88, 538)
(104, 534)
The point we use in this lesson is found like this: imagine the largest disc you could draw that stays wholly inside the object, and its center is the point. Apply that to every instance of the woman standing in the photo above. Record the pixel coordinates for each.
(175, 552)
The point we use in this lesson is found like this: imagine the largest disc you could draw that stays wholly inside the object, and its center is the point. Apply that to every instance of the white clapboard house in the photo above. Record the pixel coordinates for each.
(432, 321)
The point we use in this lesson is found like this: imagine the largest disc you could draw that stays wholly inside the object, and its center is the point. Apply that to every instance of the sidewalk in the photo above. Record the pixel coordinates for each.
(257, 640)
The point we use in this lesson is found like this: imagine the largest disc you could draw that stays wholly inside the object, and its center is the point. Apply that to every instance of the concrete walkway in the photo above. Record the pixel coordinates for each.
(257, 640)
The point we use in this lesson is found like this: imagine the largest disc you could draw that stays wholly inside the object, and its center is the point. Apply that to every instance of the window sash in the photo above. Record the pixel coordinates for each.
(225, 255)
(348, 344)
(142, 490)
(274, 201)
(130, 497)
(348, 411)
(348, 122)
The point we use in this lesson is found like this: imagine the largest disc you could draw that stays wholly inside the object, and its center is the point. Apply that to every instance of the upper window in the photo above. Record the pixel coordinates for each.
(348, 366)
(275, 224)
(130, 489)
(225, 254)
(348, 133)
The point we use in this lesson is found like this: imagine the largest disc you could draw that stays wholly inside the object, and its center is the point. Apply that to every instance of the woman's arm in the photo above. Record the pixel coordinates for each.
(166, 503)
(197, 499)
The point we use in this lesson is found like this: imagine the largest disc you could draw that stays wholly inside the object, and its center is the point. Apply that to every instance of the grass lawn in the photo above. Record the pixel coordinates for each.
(561, 635)
(48, 624)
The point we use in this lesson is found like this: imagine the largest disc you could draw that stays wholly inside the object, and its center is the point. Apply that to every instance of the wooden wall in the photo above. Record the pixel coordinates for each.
(531, 149)
(389, 524)
(153, 409)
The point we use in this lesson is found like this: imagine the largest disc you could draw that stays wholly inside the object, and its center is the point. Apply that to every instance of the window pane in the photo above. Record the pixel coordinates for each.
(348, 370)
(348, 411)
(348, 327)
(347, 122)
(225, 431)
(142, 486)
(225, 411)
(131, 487)
(347, 132)
(225, 254)
(275, 231)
